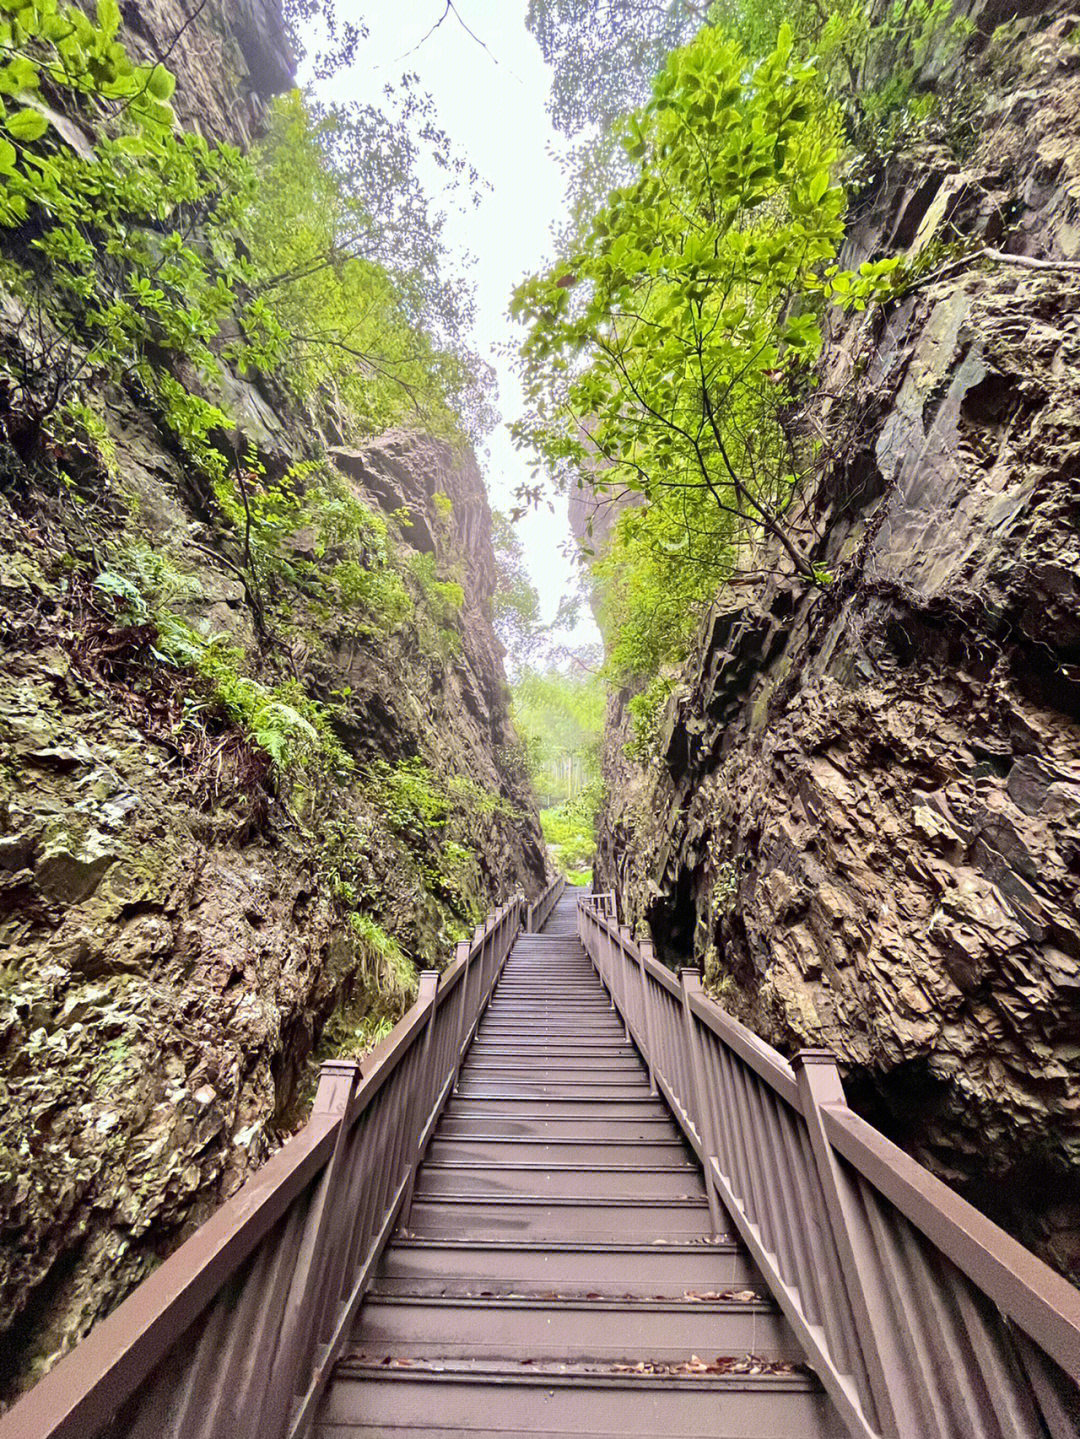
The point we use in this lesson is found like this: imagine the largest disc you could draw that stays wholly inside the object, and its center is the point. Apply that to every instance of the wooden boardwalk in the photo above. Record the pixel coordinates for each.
(558, 1273)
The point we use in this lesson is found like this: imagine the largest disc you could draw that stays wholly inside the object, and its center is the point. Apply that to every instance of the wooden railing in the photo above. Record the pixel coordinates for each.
(922, 1318)
(536, 915)
(233, 1336)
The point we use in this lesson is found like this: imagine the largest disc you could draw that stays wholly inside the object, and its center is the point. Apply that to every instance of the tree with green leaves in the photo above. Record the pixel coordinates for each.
(559, 714)
(515, 603)
(139, 254)
(604, 55)
(560, 718)
(666, 353)
(351, 265)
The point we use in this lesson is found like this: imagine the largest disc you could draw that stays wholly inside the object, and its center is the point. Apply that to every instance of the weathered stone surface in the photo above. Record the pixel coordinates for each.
(166, 966)
(866, 815)
(173, 940)
(229, 57)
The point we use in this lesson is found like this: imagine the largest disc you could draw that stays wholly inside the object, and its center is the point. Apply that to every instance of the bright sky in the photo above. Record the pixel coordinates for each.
(493, 108)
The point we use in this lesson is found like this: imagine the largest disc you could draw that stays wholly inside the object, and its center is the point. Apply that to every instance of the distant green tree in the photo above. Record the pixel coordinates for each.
(604, 55)
(560, 718)
(515, 604)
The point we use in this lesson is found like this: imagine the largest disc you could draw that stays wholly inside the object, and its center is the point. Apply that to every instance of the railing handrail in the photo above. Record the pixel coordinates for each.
(1038, 1299)
(537, 912)
(81, 1394)
(1028, 1292)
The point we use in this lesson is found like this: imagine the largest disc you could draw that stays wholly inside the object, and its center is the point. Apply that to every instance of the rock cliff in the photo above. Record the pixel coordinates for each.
(865, 814)
(180, 936)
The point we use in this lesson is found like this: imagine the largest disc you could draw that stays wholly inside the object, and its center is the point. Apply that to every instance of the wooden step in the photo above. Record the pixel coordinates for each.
(536, 1216)
(576, 1107)
(570, 1073)
(571, 1330)
(471, 1399)
(583, 1182)
(514, 1149)
(649, 1270)
(520, 1123)
(600, 1090)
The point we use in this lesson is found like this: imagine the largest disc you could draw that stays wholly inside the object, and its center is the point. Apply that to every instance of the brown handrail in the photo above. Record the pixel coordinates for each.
(536, 915)
(923, 1319)
(233, 1337)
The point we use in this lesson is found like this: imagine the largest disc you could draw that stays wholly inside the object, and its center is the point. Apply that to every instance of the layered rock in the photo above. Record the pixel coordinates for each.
(865, 817)
(170, 941)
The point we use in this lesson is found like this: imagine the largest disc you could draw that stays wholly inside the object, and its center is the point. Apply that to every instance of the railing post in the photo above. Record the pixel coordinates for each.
(820, 1088)
(645, 950)
(626, 941)
(426, 991)
(464, 951)
(338, 1079)
(690, 983)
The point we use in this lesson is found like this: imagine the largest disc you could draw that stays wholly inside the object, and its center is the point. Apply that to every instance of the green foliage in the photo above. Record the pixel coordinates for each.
(604, 56)
(397, 971)
(142, 252)
(308, 530)
(282, 720)
(443, 598)
(146, 582)
(560, 719)
(516, 604)
(667, 352)
(359, 289)
(410, 797)
(570, 832)
(109, 269)
(646, 710)
(870, 56)
(379, 594)
(653, 580)
(48, 45)
(439, 818)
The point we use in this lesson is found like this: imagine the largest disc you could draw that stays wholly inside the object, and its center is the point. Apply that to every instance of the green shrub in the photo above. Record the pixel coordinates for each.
(646, 711)
(282, 720)
(570, 832)
(409, 796)
(396, 973)
(380, 594)
(443, 598)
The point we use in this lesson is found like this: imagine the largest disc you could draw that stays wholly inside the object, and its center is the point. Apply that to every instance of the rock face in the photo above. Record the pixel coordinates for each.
(865, 817)
(229, 57)
(169, 957)
(178, 934)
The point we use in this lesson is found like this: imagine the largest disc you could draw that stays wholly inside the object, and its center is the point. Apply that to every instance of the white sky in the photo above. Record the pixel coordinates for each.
(493, 108)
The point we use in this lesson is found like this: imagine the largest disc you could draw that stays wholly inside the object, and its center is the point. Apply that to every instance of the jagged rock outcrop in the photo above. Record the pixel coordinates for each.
(865, 817)
(178, 932)
(169, 956)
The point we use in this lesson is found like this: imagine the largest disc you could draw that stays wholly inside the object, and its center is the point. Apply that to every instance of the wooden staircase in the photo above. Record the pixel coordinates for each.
(569, 1194)
(558, 1273)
